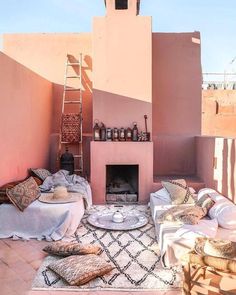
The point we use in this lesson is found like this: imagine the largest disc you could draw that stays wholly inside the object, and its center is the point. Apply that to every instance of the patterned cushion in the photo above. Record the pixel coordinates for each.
(74, 248)
(179, 191)
(215, 247)
(24, 193)
(70, 128)
(182, 214)
(3, 191)
(78, 270)
(37, 180)
(205, 202)
(40, 173)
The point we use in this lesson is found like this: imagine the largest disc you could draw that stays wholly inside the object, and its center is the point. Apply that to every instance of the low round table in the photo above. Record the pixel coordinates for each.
(133, 220)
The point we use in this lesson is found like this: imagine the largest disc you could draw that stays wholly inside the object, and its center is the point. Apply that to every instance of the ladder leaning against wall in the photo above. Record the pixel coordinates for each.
(71, 118)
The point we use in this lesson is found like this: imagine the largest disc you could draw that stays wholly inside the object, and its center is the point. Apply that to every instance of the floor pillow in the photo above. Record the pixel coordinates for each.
(78, 270)
(71, 248)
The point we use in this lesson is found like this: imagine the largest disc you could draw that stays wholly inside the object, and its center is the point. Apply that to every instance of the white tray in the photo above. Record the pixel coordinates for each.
(133, 220)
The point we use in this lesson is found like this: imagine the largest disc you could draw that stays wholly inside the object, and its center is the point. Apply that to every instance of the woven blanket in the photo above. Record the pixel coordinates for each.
(134, 254)
(74, 183)
(70, 128)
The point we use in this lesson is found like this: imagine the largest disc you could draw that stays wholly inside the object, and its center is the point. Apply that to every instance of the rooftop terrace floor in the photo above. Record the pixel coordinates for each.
(19, 262)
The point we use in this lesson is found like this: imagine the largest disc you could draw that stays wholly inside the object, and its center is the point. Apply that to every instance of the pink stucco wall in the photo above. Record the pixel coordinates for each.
(215, 157)
(176, 79)
(122, 67)
(46, 54)
(121, 153)
(145, 66)
(26, 117)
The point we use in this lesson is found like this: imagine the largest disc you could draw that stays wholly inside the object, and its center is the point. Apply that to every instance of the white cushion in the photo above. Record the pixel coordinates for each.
(224, 210)
(164, 196)
(226, 234)
(205, 228)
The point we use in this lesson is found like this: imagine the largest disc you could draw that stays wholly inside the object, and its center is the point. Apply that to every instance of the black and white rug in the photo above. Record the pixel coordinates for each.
(134, 253)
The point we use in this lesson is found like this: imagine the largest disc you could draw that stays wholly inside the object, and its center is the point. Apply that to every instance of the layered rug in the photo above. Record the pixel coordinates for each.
(134, 254)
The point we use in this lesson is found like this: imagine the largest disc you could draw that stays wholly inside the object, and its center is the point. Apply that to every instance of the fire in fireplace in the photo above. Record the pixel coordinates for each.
(122, 183)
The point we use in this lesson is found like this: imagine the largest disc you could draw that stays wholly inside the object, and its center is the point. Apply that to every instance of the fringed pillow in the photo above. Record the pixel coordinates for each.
(78, 270)
(71, 248)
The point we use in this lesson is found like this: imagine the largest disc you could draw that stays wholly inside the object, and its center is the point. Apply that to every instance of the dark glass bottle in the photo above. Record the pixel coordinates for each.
(115, 135)
(96, 132)
(122, 134)
(109, 134)
(135, 132)
(128, 134)
(102, 132)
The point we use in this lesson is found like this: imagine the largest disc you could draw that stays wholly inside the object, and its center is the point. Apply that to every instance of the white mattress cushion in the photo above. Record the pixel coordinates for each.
(162, 195)
(204, 228)
(226, 234)
(224, 210)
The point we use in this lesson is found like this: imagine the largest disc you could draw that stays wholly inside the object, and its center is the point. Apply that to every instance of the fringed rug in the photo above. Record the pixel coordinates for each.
(134, 254)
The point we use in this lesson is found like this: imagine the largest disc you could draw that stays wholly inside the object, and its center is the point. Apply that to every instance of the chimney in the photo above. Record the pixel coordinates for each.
(122, 6)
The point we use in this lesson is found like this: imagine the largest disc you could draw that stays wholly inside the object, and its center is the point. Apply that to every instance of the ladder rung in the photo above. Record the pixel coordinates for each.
(72, 101)
(68, 142)
(72, 89)
(73, 77)
(73, 63)
(77, 156)
(78, 170)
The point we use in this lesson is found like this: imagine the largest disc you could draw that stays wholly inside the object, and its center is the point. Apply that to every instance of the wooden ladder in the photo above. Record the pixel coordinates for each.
(72, 107)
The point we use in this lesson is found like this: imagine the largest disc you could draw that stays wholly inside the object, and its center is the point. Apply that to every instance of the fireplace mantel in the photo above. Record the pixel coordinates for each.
(121, 153)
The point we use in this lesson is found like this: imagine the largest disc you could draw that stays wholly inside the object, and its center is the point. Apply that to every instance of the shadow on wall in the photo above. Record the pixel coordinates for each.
(116, 110)
(216, 164)
(87, 111)
(174, 155)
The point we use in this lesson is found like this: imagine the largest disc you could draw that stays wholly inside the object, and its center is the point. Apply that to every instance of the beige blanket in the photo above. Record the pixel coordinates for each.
(184, 215)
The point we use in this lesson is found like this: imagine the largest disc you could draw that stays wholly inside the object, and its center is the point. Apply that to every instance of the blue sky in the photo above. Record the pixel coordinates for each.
(215, 19)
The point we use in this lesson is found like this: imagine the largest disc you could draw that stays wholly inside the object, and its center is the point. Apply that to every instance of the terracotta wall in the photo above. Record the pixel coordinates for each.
(176, 108)
(25, 113)
(219, 113)
(215, 157)
(122, 67)
(46, 54)
(176, 90)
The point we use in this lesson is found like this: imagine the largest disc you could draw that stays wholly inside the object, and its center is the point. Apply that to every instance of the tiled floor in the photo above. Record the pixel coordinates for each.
(19, 261)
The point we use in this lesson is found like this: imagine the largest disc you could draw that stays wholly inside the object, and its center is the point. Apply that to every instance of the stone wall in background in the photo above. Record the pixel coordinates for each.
(219, 113)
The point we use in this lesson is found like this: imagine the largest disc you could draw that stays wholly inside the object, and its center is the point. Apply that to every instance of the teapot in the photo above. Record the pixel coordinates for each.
(118, 217)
